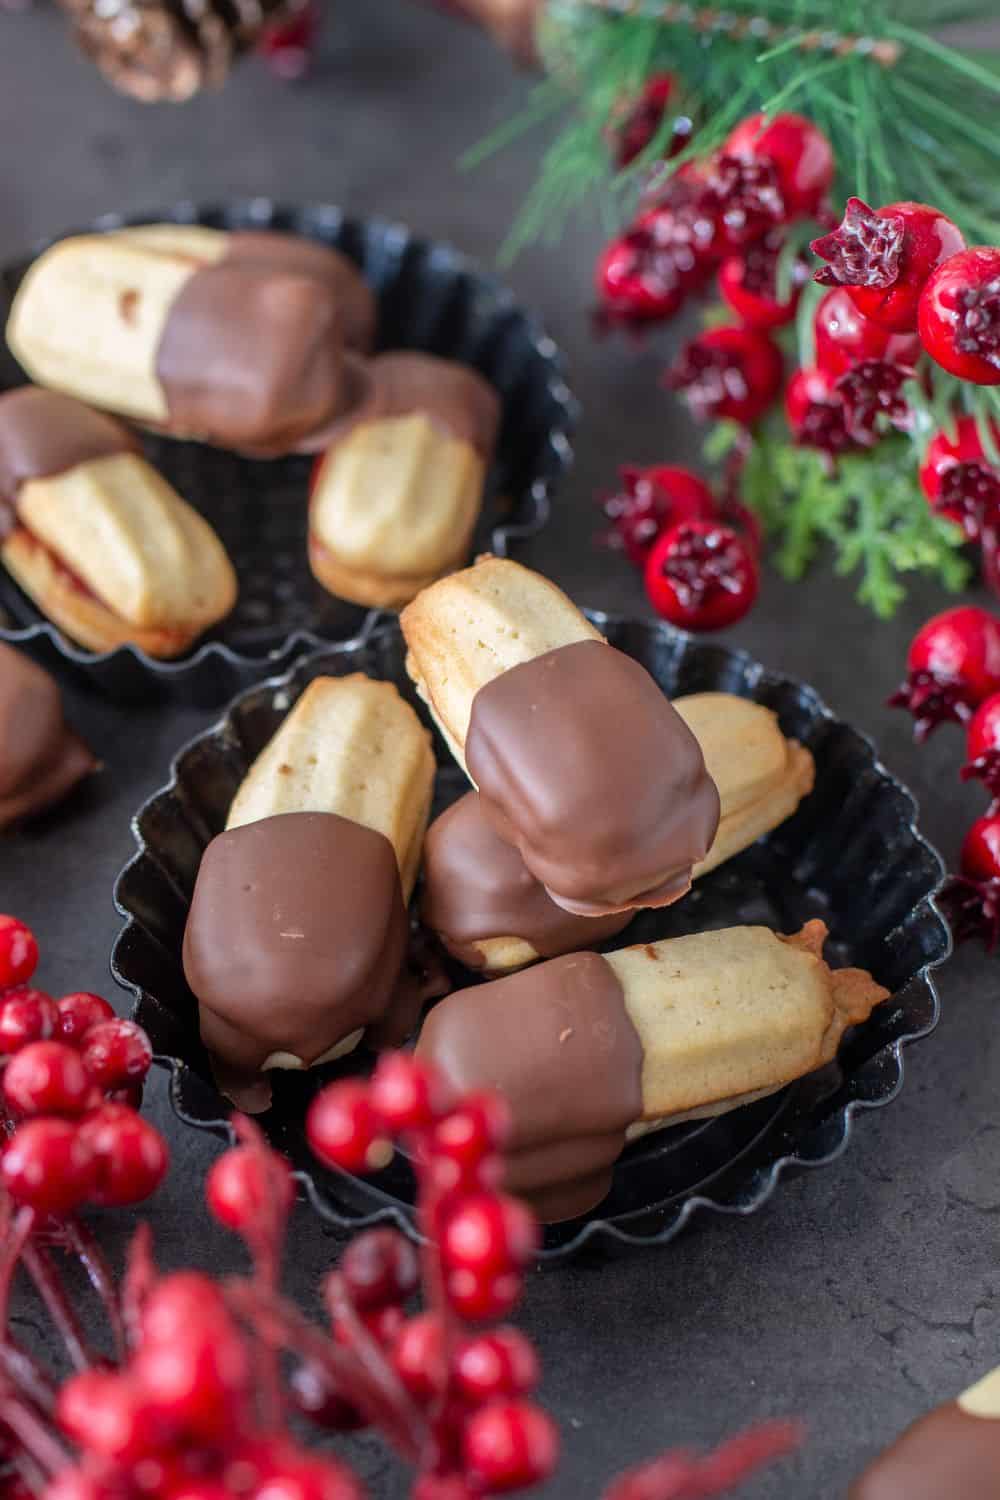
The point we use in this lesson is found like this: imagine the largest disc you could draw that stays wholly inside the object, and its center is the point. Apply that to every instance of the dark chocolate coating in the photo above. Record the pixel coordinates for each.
(41, 759)
(477, 886)
(296, 937)
(458, 399)
(584, 764)
(558, 1043)
(252, 356)
(44, 433)
(947, 1455)
(296, 253)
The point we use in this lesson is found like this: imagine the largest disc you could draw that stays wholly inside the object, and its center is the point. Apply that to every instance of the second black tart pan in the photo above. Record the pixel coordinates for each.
(430, 297)
(852, 855)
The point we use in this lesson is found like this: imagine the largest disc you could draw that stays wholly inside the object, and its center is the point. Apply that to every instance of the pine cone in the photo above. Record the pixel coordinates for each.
(159, 50)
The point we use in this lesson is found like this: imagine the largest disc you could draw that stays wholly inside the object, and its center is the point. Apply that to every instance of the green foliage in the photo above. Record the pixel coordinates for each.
(868, 507)
(921, 128)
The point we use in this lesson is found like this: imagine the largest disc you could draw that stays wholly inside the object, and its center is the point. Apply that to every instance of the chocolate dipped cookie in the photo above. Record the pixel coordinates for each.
(952, 1453)
(589, 1050)
(351, 746)
(396, 496)
(96, 537)
(41, 758)
(580, 760)
(482, 902)
(234, 338)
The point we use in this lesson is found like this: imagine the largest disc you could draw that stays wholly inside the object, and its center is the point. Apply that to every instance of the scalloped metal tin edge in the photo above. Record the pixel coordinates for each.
(595, 1233)
(216, 660)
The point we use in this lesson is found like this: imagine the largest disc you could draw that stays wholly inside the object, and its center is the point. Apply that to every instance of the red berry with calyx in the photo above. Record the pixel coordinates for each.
(648, 502)
(953, 664)
(845, 337)
(800, 152)
(78, 1012)
(489, 1234)
(379, 1268)
(982, 746)
(741, 198)
(874, 397)
(103, 1412)
(728, 372)
(638, 122)
(509, 1445)
(116, 1054)
(981, 849)
(309, 1478)
(959, 480)
(640, 277)
(47, 1165)
(702, 576)
(749, 283)
(815, 411)
(197, 1383)
(288, 45)
(130, 1155)
(418, 1356)
(246, 1185)
(407, 1094)
(344, 1131)
(18, 952)
(26, 1016)
(46, 1078)
(960, 315)
(885, 257)
(500, 1363)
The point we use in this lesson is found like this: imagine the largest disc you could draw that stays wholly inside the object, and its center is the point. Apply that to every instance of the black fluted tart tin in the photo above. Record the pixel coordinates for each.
(431, 298)
(852, 854)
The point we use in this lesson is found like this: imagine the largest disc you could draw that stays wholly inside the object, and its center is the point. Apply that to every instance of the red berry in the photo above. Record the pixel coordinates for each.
(640, 277)
(104, 1414)
(639, 122)
(981, 849)
(479, 1126)
(197, 1489)
(960, 315)
(186, 1299)
(845, 337)
(885, 256)
(46, 1078)
(481, 1297)
(343, 1129)
(702, 576)
(248, 1183)
(510, 1445)
(444, 1487)
(80, 1011)
(815, 411)
(489, 1234)
(26, 1016)
(76, 1484)
(649, 501)
(748, 282)
(406, 1094)
(197, 1382)
(500, 1363)
(418, 1356)
(309, 1479)
(116, 1054)
(958, 479)
(984, 728)
(130, 1155)
(741, 199)
(801, 154)
(288, 45)
(728, 372)
(953, 665)
(48, 1166)
(874, 397)
(18, 952)
(379, 1268)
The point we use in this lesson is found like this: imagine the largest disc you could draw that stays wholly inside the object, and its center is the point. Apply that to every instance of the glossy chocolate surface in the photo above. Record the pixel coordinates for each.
(41, 759)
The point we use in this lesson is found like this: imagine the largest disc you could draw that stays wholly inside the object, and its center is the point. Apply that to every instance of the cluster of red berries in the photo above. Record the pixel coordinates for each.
(953, 673)
(288, 46)
(699, 558)
(71, 1079)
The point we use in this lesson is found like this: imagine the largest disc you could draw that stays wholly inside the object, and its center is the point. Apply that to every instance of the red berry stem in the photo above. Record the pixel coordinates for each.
(137, 1283)
(92, 1259)
(17, 1228)
(32, 1432)
(37, 1262)
(686, 1476)
(430, 1201)
(25, 1374)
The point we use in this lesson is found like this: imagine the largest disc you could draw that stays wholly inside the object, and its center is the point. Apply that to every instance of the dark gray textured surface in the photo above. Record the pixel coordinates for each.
(863, 1293)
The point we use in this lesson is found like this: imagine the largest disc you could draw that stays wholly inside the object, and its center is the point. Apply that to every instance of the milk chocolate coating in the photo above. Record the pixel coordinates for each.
(947, 1455)
(252, 356)
(458, 399)
(477, 886)
(583, 763)
(41, 759)
(43, 433)
(558, 1043)
(295, 939)
(306, 257)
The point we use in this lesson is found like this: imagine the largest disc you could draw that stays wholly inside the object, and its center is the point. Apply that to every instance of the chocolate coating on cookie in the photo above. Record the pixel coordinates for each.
(44, 433)
(41, 759)
(296, 253)
(557, 1042)
(947, 1455)
(295, 940)
(454, 397)
(477, 886)
(583, 763)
